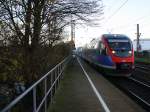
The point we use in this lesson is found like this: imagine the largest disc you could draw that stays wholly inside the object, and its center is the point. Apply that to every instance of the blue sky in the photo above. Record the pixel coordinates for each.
(121, 21)
(125, 20)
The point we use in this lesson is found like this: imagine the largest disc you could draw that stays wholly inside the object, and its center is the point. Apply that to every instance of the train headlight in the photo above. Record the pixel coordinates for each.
(113, 52)
(130, 52)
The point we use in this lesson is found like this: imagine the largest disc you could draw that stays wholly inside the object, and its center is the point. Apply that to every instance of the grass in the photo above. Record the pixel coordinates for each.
(142, 59)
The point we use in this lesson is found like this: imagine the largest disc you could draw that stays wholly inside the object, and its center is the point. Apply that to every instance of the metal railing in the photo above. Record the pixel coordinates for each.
(55, 76)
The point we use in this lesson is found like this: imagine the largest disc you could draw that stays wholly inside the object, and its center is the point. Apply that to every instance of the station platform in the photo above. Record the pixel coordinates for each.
(75, 93)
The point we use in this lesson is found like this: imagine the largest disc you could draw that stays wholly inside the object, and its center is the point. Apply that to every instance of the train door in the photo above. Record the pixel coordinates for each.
(102, 49)
(104, 58)
(92, 50)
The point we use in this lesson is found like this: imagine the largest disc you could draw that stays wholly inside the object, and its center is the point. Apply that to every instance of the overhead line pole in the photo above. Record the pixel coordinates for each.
(138, 39)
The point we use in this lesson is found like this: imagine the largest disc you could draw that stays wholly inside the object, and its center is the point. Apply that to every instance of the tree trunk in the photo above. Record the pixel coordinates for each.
(27, 25)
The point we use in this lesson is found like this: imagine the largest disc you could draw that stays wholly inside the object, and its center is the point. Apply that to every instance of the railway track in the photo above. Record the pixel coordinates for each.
(143, 93)
(142, 73)
(139, 81)
(137, 86)
(143, 67)
(136, 89)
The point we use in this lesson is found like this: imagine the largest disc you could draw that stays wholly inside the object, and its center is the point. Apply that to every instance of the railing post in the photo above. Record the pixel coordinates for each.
(34, 99)
(61, 70)
(55, 75)
(62, 67)
(58, 74)
(51, 85)
(45, 84)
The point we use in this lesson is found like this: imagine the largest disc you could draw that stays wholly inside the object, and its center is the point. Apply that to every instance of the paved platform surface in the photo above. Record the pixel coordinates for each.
(76, 94)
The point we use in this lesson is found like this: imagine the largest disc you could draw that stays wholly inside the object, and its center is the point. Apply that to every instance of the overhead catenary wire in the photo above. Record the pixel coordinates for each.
(114, 3)
(116, 11)
(128, 26)
(130, 23)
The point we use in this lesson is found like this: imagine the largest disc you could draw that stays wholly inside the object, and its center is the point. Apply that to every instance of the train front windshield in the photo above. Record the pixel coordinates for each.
(120, 47)
(120, 44)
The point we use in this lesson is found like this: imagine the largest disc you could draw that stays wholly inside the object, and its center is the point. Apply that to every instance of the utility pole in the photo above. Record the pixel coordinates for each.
(138, 39)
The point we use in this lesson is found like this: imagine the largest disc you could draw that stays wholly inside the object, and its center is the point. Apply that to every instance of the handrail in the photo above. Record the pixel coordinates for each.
(58, 69)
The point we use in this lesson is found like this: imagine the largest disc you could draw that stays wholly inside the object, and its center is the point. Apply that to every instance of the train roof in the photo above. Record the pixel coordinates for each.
(113, 36)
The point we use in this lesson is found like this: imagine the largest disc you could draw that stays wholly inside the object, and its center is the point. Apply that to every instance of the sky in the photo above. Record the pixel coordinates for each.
(121, 17)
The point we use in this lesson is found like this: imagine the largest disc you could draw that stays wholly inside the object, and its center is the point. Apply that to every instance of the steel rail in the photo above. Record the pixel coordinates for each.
(135, 95)
(145, 67)
(141, 70)
(145, 102)
(137, 81)
(132, 93)
(142, 67)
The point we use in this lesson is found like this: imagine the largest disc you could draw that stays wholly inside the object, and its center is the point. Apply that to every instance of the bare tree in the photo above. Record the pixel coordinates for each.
(33, 23)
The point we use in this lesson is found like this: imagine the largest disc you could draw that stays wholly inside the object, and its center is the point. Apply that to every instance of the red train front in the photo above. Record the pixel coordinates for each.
(120, 49)
(113, 53)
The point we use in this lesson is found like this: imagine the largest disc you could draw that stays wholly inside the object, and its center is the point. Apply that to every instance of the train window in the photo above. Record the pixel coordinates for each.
(99, 47)
(96, 45)
(102, 49)
(102, 46)
(120, 44)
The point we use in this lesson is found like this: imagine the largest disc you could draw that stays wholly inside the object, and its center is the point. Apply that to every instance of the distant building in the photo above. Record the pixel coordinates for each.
(144, 44)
